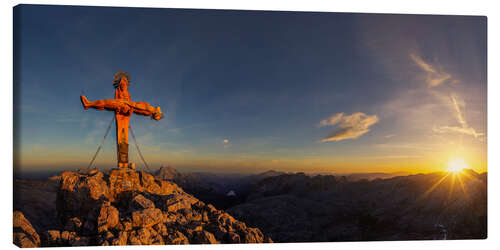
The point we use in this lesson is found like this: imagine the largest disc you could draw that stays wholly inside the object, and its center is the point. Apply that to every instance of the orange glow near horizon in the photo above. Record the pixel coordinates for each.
(457, 165)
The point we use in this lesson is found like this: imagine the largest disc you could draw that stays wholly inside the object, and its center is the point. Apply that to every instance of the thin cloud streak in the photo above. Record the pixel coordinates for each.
(349, 126)
(434, 77)
(457, 105)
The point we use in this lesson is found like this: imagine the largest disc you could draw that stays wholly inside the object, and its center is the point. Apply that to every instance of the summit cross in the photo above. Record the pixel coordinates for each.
(123, 106)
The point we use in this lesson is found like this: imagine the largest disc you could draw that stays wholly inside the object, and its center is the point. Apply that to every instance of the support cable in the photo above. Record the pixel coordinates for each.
(102, 142)
(138, 150)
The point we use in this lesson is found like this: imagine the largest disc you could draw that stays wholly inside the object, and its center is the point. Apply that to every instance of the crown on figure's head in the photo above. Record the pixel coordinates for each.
(118, 77)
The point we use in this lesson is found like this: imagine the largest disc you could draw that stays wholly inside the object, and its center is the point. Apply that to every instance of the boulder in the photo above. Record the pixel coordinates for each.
(147, 217)
(140, 202)
(121, 240)
(108, 217)
(24, 233)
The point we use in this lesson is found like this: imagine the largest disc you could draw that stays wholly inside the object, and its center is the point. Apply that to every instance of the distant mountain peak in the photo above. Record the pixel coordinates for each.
(471, 172)
(167, 173)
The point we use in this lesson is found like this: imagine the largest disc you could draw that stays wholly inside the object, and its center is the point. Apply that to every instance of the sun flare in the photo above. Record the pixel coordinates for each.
(456, 165)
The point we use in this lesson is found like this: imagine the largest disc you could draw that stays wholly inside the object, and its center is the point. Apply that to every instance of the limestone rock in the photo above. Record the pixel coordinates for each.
(177, 238)
(140, 202)
(108, 217)
(121, 240)
(52, 238)
(24, 233)
(174, 203)
(147, 217)
(128, 207)
(204, 237)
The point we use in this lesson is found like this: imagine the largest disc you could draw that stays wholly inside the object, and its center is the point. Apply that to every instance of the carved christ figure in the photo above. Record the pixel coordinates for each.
(123, 107)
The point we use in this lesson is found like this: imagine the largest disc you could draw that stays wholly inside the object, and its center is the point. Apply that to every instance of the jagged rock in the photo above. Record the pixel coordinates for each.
(176, 202)
(177, 238)
(233, 237)
(133, 240)
(204, 217)
(66, 236)
(218, 230)
(204, 237)
(127, 225)
(74, 224)
(24, 233)
(161, 229)
(147, 217)
(81, 196)
(121, 240)
(133, 207)
(108, 217)
(52, 238)
(253, 236)
(144, 236)
(140, 202)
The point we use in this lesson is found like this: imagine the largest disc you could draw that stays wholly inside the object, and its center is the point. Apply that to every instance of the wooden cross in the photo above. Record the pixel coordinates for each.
(123, 107)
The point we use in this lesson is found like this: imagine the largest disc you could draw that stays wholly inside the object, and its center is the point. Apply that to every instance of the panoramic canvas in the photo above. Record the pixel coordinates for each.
(147, 126)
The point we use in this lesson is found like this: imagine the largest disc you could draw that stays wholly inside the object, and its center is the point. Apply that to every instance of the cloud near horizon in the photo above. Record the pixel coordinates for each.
(349, 126)
(434, 77)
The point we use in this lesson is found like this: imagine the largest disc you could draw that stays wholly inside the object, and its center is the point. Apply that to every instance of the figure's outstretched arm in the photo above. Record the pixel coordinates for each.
(143, 108)
(108, 104)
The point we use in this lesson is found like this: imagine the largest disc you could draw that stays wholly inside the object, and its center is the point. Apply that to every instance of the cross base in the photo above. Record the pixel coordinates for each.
(126, 165)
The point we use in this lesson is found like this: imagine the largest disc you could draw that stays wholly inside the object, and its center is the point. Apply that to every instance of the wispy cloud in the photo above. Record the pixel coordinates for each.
(461, 130)
(434, 76)
(348, 126)
(457, 105)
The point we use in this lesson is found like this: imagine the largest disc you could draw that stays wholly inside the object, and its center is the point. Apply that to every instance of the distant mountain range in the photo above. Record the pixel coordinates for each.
(299, 207)
(329, 208)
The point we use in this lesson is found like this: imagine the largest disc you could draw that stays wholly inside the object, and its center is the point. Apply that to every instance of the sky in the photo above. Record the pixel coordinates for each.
(249, 91)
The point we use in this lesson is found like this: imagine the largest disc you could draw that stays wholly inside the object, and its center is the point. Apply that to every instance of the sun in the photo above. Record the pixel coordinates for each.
(457, 165)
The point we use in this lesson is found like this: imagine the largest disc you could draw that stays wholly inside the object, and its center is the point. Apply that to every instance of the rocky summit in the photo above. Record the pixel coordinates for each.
(128, 207)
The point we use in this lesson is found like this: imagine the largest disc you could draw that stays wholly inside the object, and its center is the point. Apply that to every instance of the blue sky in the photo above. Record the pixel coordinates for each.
(247, 91)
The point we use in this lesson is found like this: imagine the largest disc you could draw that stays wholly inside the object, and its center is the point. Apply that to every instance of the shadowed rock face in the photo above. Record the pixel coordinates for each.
(127, 207)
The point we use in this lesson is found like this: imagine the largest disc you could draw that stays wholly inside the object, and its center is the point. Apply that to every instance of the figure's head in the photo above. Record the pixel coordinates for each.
(121, 79)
